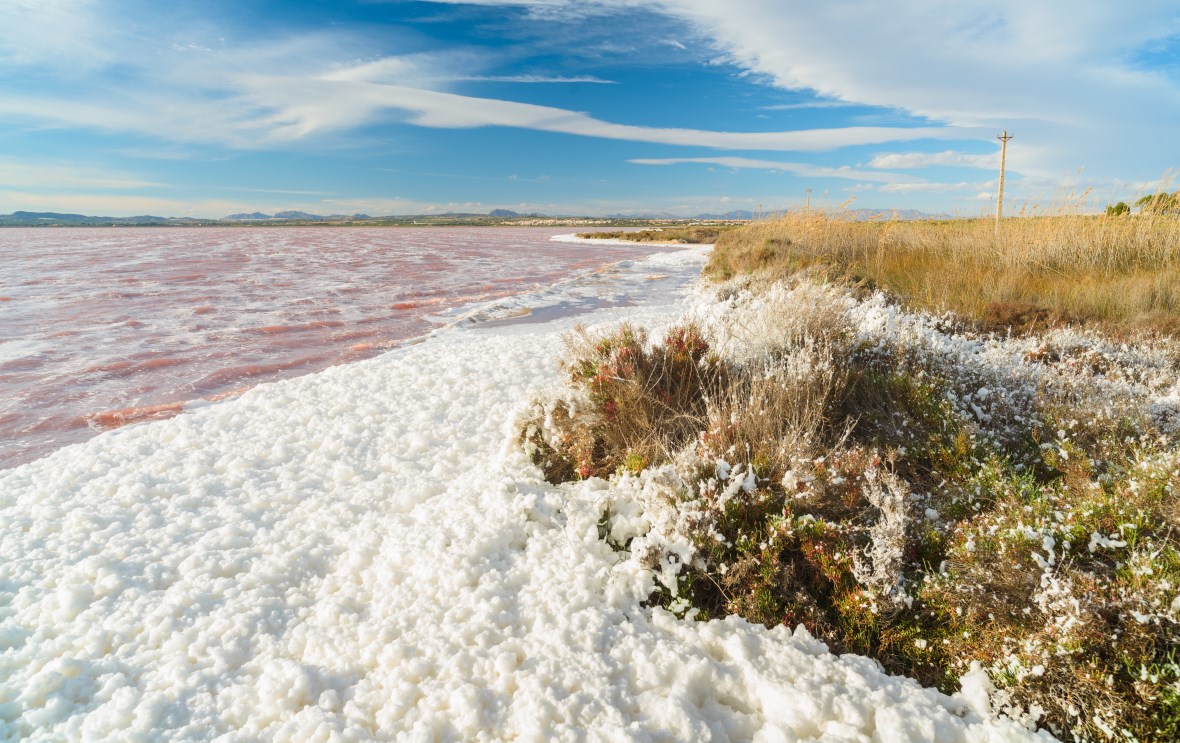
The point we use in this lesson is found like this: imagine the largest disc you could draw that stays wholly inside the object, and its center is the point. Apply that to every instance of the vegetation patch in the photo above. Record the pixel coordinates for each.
(1120, 272)
(697, 235)
(951, 504)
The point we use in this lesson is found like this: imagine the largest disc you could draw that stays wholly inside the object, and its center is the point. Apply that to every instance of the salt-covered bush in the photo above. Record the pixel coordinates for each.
(939, 500)
(631, 403)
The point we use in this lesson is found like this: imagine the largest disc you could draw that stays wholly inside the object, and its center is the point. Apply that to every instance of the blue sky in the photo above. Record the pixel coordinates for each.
(123, 107)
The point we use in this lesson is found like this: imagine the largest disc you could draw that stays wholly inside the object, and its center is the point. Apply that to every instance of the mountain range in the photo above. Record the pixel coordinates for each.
(33, 218)
(292, 215)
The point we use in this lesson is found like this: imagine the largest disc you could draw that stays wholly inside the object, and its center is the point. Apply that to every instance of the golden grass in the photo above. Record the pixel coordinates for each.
(1121, 272)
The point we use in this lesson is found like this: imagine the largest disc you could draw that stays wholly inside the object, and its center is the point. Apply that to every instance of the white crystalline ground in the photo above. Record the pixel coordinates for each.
(361, 554)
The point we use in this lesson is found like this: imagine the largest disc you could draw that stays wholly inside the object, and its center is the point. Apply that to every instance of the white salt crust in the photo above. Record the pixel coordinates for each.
(362, 554)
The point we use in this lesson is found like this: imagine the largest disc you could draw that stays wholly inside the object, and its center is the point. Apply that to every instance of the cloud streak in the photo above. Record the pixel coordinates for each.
(801, 169)
(59, 175)
(1063, 78)
(282, 91)
(915, 160)
(1059, 78)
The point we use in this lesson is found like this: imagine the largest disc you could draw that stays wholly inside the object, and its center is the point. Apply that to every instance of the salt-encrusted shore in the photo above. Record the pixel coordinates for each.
(364, 553)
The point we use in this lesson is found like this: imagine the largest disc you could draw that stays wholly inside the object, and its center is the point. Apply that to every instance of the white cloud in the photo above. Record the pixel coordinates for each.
(122, 205)
(803, 105)
(265, 110)
(447, 110)
(288, 191)
(59, 175)
(1055, 74)
(801, 169)
(200, 87)
(538, 79)
(107, 205)
(1059, 75)
(65, 33)
(929, 187)
(914, 160)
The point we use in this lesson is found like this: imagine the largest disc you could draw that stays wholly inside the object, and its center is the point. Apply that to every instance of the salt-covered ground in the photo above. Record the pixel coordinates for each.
(363, 554)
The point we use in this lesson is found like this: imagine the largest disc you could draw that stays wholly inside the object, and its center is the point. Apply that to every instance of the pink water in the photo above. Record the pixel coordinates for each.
(103, 327)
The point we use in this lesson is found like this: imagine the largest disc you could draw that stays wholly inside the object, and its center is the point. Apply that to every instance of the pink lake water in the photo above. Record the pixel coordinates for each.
(104, 327)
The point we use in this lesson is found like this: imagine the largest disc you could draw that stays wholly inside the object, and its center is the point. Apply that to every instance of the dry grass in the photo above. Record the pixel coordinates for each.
(634, 402)
(1121, 272)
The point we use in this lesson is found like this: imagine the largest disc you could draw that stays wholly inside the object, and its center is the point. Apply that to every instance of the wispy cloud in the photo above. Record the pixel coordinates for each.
(1055, 76)
(263, 110)
(537, 79)
(60, 175)
(802, 105)
(1063, 78)
(65, 33)
(286, 191)
(100, 204)
(191, 84)
(285, 90)
(802, 169)
(915, 160)
(927, 187)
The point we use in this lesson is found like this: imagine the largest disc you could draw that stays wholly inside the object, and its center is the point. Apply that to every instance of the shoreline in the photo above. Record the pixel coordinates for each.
(107, 380)
(363, 552)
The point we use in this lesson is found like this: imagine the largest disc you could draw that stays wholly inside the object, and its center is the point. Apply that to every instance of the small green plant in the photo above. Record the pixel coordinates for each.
(1160, 203)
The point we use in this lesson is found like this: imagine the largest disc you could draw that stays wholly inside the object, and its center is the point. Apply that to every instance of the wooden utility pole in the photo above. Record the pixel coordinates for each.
(1000, 194)
(809, 198)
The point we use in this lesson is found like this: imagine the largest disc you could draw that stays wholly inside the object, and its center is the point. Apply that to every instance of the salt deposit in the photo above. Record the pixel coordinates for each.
(363, 554)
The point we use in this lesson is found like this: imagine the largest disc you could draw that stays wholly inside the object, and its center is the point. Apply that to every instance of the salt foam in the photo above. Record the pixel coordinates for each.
(363, 554)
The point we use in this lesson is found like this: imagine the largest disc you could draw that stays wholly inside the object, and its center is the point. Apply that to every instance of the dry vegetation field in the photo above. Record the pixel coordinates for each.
(1118, 272)
(954, 453)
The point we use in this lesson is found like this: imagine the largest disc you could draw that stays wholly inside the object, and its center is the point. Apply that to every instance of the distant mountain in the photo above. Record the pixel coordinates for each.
(509, 214)
(246, 217)
(48, 217)
(645, 215)
(291, 215)
(738, 214)
(58, 218)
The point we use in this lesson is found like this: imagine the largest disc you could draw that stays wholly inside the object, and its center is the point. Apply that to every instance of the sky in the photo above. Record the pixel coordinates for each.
(587, 107)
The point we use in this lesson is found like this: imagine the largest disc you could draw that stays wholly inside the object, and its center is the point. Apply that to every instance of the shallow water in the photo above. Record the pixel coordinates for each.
(103, 327)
